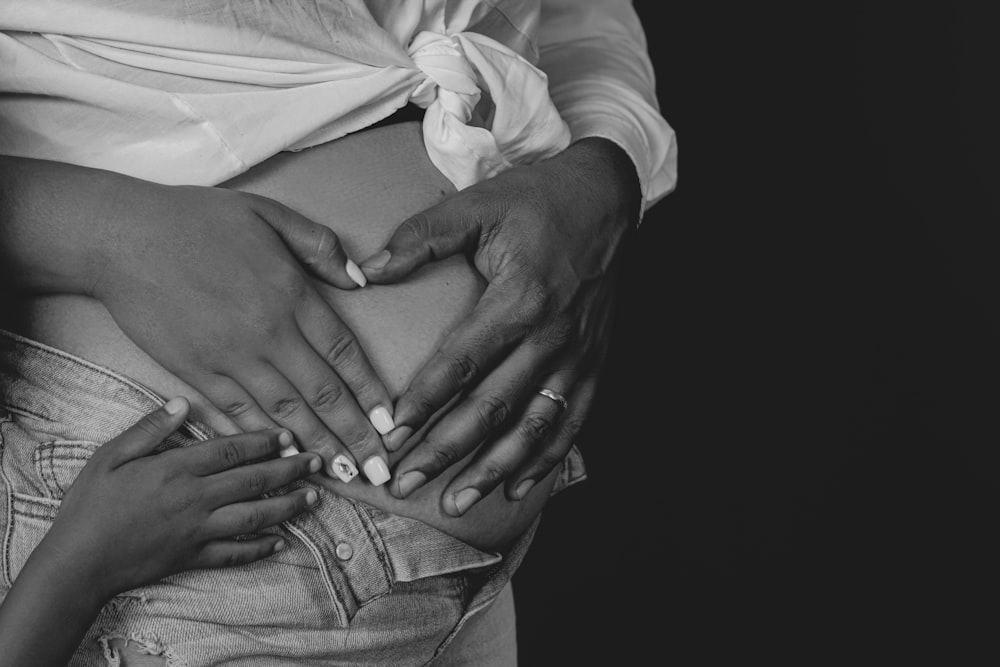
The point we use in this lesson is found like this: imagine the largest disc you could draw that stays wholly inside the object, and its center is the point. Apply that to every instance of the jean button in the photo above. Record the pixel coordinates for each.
(344, 551)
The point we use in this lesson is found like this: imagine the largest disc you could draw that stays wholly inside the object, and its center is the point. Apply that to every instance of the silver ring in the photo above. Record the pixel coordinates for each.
(555, 396)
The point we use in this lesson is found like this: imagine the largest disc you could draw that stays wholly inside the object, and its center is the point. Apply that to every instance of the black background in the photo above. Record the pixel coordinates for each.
(794, 454)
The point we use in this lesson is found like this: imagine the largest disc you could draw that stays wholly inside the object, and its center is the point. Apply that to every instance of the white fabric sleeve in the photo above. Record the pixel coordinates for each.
(601, 80)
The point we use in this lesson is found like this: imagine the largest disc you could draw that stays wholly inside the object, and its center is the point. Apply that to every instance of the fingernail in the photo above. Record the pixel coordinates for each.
(315, 464)
(522, 489)
(174, 405)
(311, 497)
(378, 261)
(286, 445)
(355, 273)
(395, 440)
(344, 468)
(409, 482)
(465, 498)
(376, 470)
(381, 420)
(279, 545)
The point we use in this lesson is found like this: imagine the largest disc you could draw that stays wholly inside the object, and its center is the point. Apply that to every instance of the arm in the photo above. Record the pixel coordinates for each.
(129, 520)
(602, 81)
(210, 283)
(547, 237)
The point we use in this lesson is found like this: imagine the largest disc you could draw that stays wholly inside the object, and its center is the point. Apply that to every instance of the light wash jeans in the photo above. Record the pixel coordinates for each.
(354, 586)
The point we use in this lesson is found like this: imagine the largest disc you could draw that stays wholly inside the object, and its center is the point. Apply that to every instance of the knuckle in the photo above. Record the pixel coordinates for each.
(149, 426)
(318, 441)
(359, 439)
(535, 301)
(253, 520)
(256, 482)
(234, 558)
(558, 333)
(535, 427)
(443, 456)
(572, 427)
(327, 396)
(548, 459)
(422, 404)
(493, 473)
(235, 409)
(492, 411)
(461, 369)
(285, 408)
(230, 454)
(417, 226)
(291, 283)
(506, 261)
(327, 244)
(343, 350)
(184, 502)
(544, 462)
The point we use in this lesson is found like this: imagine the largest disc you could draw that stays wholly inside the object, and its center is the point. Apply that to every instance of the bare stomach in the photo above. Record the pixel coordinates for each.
(361, 186)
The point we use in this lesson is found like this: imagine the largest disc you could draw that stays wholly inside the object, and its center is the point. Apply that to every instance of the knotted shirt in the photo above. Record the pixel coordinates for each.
(198, 91)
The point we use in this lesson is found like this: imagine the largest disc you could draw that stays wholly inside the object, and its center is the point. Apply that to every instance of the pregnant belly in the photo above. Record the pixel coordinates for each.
(361, 186)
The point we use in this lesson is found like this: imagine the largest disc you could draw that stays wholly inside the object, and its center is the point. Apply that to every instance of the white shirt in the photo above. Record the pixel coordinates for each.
(196, 92)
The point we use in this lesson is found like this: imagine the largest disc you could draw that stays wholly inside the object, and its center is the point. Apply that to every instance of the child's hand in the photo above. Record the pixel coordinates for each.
(133, 517)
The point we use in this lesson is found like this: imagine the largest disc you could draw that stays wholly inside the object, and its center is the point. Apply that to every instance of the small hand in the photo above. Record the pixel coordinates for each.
(210, 283)
(133, 517)
(546, 237)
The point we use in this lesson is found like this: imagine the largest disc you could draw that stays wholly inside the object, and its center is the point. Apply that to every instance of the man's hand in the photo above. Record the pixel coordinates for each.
(545, 237)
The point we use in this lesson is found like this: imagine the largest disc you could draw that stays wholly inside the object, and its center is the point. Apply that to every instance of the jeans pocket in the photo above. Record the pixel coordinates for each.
(30, 519)
(58, 462)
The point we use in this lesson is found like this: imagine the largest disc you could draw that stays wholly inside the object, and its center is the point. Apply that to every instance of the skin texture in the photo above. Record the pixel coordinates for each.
(538, 295)
(213, 284)
(133, 517)
(545, 237)
(360, 187)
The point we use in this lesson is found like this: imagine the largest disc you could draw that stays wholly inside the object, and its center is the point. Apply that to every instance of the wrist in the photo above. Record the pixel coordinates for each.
(68, 573)
(56, 221)
(614, 175)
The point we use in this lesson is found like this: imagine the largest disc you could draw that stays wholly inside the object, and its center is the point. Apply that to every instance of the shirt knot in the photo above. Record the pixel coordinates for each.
(446, 67)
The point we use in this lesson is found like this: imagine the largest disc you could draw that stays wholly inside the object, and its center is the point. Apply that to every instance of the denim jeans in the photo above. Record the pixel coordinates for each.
(354, 585)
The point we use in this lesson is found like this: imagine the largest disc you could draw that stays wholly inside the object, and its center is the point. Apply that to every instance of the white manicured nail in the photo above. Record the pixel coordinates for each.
(344, 468)
(376, 471)
(381, 420)
(355, 273)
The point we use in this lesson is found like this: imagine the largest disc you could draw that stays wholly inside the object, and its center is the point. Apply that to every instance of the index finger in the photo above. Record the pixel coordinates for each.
(464, 358)
(213, 456)
(337, 345)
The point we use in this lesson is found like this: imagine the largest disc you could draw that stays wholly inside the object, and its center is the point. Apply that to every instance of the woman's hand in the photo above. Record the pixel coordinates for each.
(211, 283)
(546, 237)
(133, 517)
(203, 280)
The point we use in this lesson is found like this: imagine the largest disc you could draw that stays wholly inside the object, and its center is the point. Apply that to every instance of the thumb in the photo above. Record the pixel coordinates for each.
(313, 244)
(438, 232)
(143, 437)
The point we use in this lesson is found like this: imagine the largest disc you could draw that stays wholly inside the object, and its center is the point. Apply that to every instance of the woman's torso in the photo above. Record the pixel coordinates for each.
(361, 186)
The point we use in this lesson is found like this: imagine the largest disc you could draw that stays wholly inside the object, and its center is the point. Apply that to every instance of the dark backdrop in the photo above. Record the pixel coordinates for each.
(794, 455)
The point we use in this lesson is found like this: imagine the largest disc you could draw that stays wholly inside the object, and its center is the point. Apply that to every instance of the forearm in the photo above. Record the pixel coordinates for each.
(55, 224)
(47, 612)
(602, 81)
